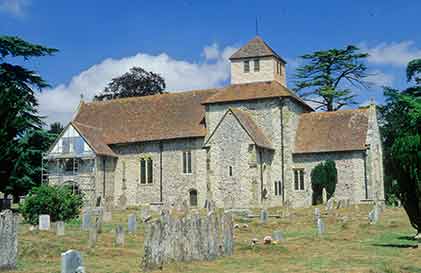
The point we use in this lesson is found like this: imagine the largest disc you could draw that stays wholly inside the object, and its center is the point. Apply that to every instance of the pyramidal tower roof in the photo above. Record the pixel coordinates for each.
(256, 47)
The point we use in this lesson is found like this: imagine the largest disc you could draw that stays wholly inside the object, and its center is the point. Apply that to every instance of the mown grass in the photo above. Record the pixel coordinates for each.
(350, 246)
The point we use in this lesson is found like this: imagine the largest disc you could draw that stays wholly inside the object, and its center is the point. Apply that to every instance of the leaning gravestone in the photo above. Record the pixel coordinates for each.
(8, 240)
(330, 204)
(278, 236)
(131, 223)
(86, 219)
(60, 228)
(44, 222)
(320, 226)
(119, 235)
(264, 216)
(71, 262)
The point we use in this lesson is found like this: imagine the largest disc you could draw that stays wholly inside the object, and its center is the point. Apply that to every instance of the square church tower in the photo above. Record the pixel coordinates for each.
(257, 62)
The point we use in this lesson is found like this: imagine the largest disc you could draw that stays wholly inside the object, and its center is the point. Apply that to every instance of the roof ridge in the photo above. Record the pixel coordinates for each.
(336, 112)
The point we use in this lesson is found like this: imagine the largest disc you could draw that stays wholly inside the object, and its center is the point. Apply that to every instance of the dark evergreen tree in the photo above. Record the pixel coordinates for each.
(56, 128)
(326, 78)
(135, 83)
(324, 175)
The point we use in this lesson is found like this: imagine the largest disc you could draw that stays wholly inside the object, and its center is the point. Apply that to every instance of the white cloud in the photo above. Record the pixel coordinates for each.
(397, 54)
(379, 78)
(58, 103)
(15, 7)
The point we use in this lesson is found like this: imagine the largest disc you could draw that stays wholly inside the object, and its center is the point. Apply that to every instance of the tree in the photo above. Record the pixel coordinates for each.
(135, 83)
(56, 128)
(324, 175)
(327, 76)
(18, 104)
(401, 132)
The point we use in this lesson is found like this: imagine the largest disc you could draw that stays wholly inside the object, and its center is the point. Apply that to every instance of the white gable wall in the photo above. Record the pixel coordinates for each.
(70, 133)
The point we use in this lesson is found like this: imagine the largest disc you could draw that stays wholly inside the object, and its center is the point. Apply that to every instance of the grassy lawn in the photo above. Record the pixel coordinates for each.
(354, 246)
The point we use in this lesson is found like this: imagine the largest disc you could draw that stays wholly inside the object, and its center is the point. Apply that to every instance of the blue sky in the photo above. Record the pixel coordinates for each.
(188, 41)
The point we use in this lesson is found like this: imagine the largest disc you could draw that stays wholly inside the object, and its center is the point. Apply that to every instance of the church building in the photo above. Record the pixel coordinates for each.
(251, 143)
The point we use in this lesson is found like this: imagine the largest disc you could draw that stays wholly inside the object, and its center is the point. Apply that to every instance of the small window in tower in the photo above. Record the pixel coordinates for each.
(278, 70)
(256, 65)
(246, 66)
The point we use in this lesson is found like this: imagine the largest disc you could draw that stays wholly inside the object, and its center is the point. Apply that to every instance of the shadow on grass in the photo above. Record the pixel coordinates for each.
(408, 238)
(397, 245)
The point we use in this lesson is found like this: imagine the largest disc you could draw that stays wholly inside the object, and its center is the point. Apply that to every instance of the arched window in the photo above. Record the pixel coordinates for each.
(193, 198)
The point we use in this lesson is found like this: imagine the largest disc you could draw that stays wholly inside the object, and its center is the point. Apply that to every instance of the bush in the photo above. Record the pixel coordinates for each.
(325, 175)
(58, 202)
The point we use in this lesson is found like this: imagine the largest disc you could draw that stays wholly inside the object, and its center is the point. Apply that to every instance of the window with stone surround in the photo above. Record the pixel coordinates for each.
(146, 171)
(187, 164)
(246, 66)
(299, 179)
(256, 65)
(278, 188)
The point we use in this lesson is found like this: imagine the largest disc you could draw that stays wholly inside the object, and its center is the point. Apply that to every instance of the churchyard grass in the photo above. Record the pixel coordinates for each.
(353, 246)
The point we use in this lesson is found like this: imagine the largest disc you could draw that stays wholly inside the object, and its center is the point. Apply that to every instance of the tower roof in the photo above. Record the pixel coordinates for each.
(256, 47)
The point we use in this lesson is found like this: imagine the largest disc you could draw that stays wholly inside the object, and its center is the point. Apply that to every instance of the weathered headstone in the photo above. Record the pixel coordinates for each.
(330, 204)
(86, 219)
(324, 195)
(44, 222)
(1, 195)
(320, 226)
(131, 223)
(374, 215)
(277, 235)
(119, 235)
(72, 262)
(144, 212)
(316, 214)
(264, 216)
(93, 236)
(107, 216)
(8, 240)
(60, 228)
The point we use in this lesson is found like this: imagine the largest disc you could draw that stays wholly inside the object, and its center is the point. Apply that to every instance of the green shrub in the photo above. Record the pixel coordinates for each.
(325, 175)
(58, 202)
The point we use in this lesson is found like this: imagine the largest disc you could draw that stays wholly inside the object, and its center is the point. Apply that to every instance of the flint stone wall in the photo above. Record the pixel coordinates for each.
(8, 240)
(191, 237)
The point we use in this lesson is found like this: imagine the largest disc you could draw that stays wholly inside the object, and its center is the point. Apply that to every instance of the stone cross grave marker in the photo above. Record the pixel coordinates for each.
(264, 216)
(86, 219)
(324, 195)
(72, 262)
(277, 235)
(8, 240)
(119, 235)
(131, 223)
(60, 228)
(320, 227)
(44, 222)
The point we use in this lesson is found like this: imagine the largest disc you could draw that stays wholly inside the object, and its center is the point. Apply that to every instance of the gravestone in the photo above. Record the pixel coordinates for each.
(44, 222)
(324, 195)
(330, 204)
(320, 227)
(107, 216)
(264, 216)
(278, 236)
(316, 214)
(131, 223)
(10, 197)
(86, 219)
(8, 240)
(60, 228)
(119, 235)
(144, 212)
(97, 214)
(72, 262)
(1, 195)
(374, 215)
(93, 236)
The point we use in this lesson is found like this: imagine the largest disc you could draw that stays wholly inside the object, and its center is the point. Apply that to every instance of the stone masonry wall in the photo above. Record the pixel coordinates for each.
(267, 72)
(175, 184)
(350, 167)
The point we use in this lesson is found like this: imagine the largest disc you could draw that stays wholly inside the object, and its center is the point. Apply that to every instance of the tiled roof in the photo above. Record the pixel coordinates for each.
(344, 130)
(252, 129)
(255, 48)
(158, 117)
(253, 91)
